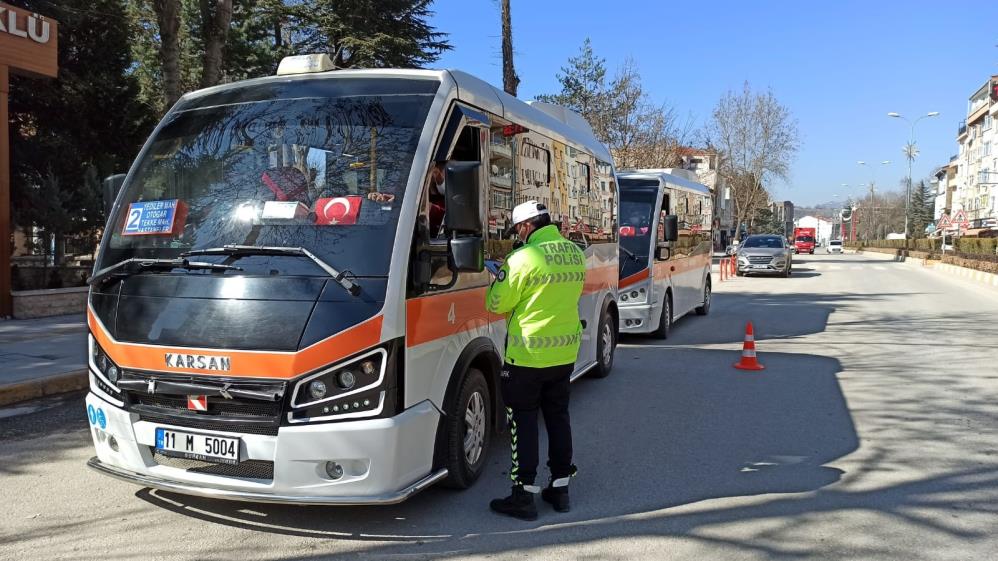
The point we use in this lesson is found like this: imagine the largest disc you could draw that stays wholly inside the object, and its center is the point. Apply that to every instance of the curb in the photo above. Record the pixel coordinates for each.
(49, 385)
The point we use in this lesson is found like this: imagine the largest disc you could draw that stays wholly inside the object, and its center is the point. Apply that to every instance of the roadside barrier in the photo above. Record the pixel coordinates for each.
(749, 361)
(720, 267)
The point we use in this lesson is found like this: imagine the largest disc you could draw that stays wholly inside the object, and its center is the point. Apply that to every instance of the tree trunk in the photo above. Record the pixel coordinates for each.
(216, 15)
(510, 81)
(168, 19)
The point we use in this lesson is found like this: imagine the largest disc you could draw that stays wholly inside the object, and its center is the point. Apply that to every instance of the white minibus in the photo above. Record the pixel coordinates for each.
(288, 302)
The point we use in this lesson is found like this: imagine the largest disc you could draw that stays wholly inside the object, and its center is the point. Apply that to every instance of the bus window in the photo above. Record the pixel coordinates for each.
(502, 174)
(465, 150)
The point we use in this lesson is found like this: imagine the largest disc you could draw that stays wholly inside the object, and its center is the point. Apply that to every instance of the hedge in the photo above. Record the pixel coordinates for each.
(962, 246)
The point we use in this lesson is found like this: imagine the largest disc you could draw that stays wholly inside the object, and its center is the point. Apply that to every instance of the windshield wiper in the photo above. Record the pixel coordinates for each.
(132, 266)
(628, 252)
(350, 286)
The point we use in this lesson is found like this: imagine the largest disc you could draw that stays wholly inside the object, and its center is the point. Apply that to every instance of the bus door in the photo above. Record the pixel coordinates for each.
(664, 268)
(445, 310)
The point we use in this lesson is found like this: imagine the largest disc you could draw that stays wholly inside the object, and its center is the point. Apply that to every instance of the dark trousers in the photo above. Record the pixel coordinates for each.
(525, 391)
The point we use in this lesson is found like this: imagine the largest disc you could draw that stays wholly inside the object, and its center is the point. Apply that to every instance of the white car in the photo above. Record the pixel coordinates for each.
(835, 246)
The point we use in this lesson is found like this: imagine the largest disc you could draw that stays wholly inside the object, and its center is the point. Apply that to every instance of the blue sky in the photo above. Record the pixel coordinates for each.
(839, 66)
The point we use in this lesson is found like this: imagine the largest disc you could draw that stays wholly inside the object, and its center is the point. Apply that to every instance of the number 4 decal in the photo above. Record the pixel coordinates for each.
(451, 314)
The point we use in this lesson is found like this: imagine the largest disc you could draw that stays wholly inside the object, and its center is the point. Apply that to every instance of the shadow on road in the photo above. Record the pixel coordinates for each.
(648, 438)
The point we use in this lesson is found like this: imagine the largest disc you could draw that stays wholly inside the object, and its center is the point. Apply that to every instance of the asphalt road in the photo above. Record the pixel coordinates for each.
(871, 435)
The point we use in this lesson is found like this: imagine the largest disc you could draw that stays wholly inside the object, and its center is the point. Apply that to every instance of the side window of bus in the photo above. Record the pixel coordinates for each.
(467, 149)
(663, 212)
(502, 182)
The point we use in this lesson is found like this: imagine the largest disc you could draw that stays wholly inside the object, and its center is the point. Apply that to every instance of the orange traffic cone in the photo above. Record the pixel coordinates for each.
(748, 361)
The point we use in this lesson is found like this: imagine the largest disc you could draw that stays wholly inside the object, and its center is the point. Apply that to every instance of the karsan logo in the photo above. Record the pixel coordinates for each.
(198, 362)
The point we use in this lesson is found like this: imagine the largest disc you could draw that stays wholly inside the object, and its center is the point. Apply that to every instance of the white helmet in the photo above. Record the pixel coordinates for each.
(528, 210)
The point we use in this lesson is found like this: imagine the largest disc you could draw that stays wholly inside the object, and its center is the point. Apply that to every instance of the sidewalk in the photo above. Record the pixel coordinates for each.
(42, 357)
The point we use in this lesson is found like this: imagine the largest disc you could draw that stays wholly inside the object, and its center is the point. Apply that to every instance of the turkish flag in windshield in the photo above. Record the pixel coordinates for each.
(337, 210)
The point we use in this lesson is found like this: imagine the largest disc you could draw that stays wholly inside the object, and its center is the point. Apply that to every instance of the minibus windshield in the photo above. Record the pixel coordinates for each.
(637, 220)
(326, 174)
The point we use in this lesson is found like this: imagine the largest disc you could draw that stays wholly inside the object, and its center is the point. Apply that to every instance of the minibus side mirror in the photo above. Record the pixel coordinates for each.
(671, 227)
(462, 187)
(111, 187)
(663, 252)
(468, 254)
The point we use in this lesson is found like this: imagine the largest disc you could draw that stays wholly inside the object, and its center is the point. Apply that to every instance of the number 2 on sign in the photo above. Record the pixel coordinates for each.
(134, 218)
(451, 314)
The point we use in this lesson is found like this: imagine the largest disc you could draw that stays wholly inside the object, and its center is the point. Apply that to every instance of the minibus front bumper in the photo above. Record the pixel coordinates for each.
(382, 460)
(637, 318)
(258, 497)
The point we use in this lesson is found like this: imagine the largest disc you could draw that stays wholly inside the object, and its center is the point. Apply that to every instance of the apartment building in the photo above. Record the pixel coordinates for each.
(976, 178)
(944, 184)
(705, 164)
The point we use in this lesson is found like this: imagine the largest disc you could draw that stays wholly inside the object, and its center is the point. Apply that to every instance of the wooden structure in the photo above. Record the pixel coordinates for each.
(28, 46)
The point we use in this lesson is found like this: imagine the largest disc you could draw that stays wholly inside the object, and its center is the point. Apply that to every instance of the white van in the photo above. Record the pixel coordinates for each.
(835, 246)
(289, 301)
(665, 245)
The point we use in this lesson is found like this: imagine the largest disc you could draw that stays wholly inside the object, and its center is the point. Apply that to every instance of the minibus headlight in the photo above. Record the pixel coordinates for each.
(106, 372)
(346, 380)
(635, 295)
(359, 375)
(317, 389)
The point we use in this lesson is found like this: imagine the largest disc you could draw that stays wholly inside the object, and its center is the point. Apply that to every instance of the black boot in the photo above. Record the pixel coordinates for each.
(520, 504)
(556, 494)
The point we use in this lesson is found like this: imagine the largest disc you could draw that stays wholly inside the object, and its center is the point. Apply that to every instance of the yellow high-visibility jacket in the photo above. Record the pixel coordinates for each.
(539, 287)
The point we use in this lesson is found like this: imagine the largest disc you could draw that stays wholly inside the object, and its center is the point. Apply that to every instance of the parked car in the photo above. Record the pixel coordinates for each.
(765, 254)
(835, 246)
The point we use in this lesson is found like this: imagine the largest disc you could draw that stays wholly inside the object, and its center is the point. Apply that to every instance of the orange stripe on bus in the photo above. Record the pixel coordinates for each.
(663, 269)
(635, 278)
(600, 278)
(249, 364)
(434, 317)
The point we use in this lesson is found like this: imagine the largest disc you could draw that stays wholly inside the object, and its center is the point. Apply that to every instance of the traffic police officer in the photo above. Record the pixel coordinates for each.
(539, 287)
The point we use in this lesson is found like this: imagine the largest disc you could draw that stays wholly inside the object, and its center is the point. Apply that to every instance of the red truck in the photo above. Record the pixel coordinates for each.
(804, 240)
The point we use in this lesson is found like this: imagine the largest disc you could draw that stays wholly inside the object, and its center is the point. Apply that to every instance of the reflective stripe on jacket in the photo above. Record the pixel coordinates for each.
(539, 287)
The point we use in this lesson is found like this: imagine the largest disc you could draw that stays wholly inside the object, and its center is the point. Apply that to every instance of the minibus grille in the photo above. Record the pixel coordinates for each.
(233, 414)
(250, 469)
(209, 424)
(219, 406)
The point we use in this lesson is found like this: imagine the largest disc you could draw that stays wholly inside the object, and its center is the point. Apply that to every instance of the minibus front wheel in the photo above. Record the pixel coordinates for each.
(468, 426)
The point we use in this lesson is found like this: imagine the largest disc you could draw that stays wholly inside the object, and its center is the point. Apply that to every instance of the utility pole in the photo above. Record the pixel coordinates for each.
(510, 81)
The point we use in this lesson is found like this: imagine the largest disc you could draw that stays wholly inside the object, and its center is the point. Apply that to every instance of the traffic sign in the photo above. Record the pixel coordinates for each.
(944, 222)
(960, 219)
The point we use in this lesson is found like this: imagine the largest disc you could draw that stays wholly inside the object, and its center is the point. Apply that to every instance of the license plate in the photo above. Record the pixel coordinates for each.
(204, 447)
(760, 266)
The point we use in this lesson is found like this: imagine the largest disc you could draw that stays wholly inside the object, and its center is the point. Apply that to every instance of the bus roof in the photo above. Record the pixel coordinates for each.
(669, 179)
(555, 121)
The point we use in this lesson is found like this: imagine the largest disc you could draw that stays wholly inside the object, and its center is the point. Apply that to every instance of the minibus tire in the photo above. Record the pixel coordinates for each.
(665, 323)
(604, 366)
(461, 474)
(704, 309)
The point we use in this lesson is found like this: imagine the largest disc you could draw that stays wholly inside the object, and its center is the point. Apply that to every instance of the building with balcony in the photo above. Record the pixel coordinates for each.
(705, 164)
(944, 188)
(974, 182)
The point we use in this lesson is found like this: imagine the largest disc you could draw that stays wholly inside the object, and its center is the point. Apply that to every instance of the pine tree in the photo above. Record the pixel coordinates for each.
(584, 89)
(921, 209)
(87, 123)
(367, 33)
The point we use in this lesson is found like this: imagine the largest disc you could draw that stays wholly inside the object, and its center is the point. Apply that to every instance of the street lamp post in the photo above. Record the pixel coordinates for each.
(910, 151)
